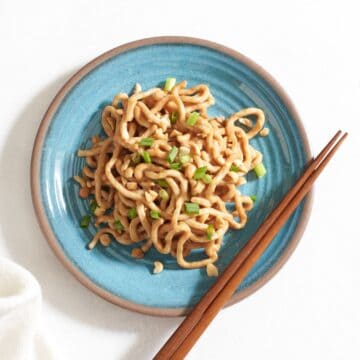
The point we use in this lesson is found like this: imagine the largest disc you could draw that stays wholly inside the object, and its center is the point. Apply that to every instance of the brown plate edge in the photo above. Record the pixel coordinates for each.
(36, 158)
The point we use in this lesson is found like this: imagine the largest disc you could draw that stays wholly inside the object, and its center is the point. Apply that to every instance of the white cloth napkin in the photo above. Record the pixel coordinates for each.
(20, 311)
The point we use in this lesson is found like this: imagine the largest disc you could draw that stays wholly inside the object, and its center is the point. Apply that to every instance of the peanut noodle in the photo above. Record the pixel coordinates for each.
(162, 176)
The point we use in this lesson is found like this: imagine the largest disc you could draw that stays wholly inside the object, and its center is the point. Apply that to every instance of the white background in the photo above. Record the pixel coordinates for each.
(311, 309)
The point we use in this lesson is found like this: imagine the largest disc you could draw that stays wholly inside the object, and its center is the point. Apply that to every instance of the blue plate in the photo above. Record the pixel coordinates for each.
(74, 116)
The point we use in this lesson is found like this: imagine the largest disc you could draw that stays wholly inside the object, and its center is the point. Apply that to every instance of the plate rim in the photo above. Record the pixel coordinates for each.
(36, 164)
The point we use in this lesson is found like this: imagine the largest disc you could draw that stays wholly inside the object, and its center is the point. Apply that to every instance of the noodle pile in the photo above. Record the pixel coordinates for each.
(165, 171)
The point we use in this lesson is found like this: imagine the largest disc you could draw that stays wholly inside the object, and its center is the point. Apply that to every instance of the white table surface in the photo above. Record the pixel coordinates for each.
(311, 308)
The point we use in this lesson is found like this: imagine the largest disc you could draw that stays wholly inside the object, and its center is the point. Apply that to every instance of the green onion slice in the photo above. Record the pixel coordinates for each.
(172, 154)
(253, 197)
(207, 179)
(154, 214)
(260, 170)
(135, 158)
(169, 83)
(132, 213)
(192, 208)
(200, 173)
(93, 206)
(173, 117)
(163, 194)
(184, 159)
(146, 156)
(175, 166)
(118, 225)
(85, 221)
(234, 168)
(162, 182)
(193, 118)
(146, 142)
(210, 231)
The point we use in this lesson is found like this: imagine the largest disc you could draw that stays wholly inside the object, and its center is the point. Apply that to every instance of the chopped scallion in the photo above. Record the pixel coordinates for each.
(210, 231)
(132, 213)
(85, 221)
(169, 83)
(146, 142)
(207, 179)
(234, 168)
(185, 158)
(253, 197)
(175, 166)
(172, 154)
(163, 194)
(118, 225)
(200, 173)
(192, 208)
(260, 170)
(184, 150)
(173, 117)
(193, 118)
(135, 158)
(154, 214)
(93, 206)
(146, 156)
(162, 182)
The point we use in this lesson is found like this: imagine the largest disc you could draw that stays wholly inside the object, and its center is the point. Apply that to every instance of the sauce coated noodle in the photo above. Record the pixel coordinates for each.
(165, 171)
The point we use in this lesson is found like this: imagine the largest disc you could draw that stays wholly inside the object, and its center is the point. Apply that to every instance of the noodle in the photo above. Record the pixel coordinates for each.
(164, 172)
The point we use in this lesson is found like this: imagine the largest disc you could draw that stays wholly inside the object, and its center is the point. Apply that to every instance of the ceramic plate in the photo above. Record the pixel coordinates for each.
(74, 116)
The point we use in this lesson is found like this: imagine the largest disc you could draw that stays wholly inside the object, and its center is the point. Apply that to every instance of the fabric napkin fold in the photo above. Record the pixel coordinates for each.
(20, 315)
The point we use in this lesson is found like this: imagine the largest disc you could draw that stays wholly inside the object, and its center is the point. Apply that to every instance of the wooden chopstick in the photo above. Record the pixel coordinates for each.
(239, 276)
(196, 322)
(186, 326)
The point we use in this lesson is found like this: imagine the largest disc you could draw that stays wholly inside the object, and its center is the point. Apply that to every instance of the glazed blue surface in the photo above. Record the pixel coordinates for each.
(234, 86)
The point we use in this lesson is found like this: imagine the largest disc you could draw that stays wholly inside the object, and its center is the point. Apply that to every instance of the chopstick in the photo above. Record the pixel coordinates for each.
(182, 340)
